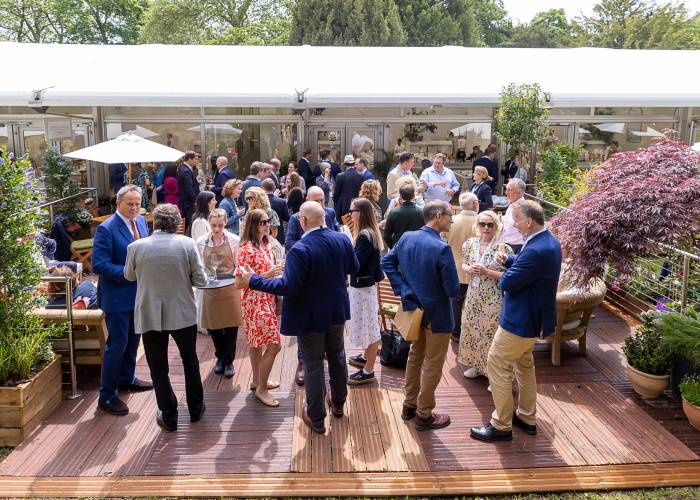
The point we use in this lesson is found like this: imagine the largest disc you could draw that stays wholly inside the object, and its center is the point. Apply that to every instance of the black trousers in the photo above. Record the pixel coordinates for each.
(225, 343)
(313, 346)
(457, 304)
(155, 344)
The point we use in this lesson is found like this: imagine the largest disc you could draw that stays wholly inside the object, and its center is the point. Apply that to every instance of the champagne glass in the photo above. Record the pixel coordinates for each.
(214, 267)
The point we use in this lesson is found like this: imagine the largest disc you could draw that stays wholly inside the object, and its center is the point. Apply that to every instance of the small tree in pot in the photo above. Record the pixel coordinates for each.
(648, 361)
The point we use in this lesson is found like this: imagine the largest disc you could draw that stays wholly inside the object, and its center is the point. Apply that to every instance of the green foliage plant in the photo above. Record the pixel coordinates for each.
(60, 185)
(681, 333)
(690, 389)
(645, 350)
(521, 119)
(24, 340)
(560, 172)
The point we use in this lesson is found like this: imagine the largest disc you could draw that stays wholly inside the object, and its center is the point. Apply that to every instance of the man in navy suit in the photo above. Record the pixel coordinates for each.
(305, 170)
(315, 308)
(347, 188)
(116, 297)
(188, 187)
(295, 231)
(278, 205)
(422, 271)
(223, 175)
(529, 309)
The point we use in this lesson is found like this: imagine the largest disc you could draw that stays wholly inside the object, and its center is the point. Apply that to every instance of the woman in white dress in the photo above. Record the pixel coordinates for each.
(363, 326)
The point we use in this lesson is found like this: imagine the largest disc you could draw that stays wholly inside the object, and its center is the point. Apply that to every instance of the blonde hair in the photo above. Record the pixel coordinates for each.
(371, 190)
(229, 187)
(495, 218)
(218, 213)
(406, 179)
(261, 196)
(483, 171)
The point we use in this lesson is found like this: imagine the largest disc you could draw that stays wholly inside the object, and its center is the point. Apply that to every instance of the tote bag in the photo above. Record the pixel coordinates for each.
(408, 322)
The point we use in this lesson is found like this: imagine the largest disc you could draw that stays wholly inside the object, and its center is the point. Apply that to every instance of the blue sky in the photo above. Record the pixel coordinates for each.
(524, 10)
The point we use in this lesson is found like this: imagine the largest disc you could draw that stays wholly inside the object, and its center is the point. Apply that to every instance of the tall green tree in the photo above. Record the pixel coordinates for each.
(494, 25)
(433, 23)
(548, 29)
(349, 23)
(26, 20)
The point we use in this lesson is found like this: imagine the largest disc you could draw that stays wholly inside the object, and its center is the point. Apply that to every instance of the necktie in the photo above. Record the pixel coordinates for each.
(134, 230)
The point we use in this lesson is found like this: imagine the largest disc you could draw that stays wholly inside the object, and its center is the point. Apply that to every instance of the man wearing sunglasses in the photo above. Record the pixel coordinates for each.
(529, 309)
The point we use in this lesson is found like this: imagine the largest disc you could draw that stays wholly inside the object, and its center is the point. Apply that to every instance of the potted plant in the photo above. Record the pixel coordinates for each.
(648, 361)
(30, 374)
(690, 389)
(681, 336)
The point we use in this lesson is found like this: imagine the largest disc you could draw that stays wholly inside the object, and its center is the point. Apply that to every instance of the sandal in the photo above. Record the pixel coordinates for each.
(269, 402)
(271, 384)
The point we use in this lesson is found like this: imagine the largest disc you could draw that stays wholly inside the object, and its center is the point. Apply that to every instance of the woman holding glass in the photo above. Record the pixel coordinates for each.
(231, 191)
(258, 308)
(482, 304)
(221, 307)
(256, 197)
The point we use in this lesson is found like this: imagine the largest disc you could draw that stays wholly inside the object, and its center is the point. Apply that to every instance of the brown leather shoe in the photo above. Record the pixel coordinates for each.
(299, 375)
(436, 421)
(307, 421)
(337, 411)
(408, 413)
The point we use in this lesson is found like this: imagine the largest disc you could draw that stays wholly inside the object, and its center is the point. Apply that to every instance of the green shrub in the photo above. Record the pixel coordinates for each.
(560, 172)
(645, 350)
(681, 333)
(690, 389)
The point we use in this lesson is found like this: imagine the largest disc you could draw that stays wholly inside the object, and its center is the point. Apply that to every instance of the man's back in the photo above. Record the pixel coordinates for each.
(280, 207)
(187, 186)
(347, 188)
(407, 217)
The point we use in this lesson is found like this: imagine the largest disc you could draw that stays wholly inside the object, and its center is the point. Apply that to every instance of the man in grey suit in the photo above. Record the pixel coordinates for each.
(166, 266)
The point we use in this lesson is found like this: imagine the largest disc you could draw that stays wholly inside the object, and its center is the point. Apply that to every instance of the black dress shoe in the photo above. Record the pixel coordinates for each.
(161, 423)
(137, 385)
(408, 413)
(219, 367)
(337, 411)
(114, 407)
(229, 371)
(490, 434)
(299, 375)
(527, 428)
(307, 420)
(198, 416)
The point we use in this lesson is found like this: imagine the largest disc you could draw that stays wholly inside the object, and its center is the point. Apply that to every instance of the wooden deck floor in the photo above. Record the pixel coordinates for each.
(594, 433)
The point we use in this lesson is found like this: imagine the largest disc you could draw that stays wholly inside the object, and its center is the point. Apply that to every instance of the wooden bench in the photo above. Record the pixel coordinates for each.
(388, 304)
(89, 333)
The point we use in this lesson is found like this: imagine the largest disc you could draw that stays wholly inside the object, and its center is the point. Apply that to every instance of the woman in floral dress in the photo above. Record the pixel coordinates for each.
(482, 304)
(258, 308)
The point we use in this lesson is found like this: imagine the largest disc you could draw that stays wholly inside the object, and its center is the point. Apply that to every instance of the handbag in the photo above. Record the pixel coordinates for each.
(394, 350)
(408, 322)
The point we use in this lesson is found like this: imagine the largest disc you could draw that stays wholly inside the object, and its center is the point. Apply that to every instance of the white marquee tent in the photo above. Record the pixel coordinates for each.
(153, 75)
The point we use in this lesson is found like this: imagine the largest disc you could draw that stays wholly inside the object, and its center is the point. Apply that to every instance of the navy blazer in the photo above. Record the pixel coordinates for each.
(313, 283)
(280, 207)
(492, 168)
(305, 171)
(346, 189)
(422, 271)
(188, 187)
(484, 195)
(370, 271)
(220, 178)
(530, 286)
(294, 230)
(114, 293)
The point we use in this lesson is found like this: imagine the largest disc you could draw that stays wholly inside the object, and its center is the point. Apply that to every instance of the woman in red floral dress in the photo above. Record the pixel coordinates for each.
(258, 308)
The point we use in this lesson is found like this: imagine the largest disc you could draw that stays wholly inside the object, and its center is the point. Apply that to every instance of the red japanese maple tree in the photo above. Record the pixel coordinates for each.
(635, 200)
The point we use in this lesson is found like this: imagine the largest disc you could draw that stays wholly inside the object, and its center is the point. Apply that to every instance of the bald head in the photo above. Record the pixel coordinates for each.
(315, 193)
(311, 215)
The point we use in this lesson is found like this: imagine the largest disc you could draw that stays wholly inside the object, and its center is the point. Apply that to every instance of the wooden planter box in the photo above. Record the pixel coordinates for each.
(24, 406)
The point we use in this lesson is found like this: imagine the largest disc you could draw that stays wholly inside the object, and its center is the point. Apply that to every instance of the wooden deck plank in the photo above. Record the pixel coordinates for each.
(301, 438)
(363, 403)
(388, 430)
(407, 434)
(341, 441)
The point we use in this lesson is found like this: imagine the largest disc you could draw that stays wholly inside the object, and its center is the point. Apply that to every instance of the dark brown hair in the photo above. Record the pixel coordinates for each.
(251, 229)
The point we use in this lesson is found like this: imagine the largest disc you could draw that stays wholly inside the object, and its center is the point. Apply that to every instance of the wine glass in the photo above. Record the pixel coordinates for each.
(213, 269)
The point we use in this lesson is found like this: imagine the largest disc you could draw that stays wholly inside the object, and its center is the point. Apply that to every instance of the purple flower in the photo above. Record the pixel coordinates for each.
(661, 304)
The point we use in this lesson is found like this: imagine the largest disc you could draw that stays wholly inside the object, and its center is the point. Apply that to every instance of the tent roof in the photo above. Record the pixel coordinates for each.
(168, 75)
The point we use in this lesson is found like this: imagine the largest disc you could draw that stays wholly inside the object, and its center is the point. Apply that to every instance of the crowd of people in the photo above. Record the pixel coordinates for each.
(306, 251)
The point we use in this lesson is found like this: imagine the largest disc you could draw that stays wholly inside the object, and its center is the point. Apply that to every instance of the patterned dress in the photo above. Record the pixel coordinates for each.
(258, 308)
(482, 306)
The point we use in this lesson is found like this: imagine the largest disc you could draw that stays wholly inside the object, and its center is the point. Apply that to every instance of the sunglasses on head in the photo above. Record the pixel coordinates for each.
(490, 225)
(250, 198)
(264, 222)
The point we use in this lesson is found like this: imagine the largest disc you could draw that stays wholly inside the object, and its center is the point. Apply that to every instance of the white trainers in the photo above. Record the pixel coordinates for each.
(472, 373)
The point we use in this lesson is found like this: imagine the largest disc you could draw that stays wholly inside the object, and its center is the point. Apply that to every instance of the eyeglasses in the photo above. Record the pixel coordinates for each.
(264, 222)
(490, 225)
(353, 210)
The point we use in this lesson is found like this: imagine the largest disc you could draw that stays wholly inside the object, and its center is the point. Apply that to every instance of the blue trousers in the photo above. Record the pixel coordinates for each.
(120, 354)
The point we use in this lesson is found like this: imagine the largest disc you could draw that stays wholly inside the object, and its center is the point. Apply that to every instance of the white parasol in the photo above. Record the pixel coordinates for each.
(127, 148)
(695, 147)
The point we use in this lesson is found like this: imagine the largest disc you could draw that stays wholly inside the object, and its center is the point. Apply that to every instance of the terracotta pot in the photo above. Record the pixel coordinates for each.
(647, 386)
(693, 413)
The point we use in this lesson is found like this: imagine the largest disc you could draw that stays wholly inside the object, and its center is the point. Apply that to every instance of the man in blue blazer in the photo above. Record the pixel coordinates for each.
(347, 188)
(529, 309)
(294, 229)
(315, 308)
(422, 271)
(188, 187)
(223, 175)
(116, 297)
(278, 205)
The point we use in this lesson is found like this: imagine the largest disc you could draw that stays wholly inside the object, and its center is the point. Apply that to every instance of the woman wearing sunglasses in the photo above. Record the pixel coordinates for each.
(258, 308)
(256, 197)
(482, 304)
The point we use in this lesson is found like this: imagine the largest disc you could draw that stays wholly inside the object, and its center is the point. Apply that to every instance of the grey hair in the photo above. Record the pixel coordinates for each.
(256, 167)
(166, 218)
(129, 188)
(218, 213)
(275, 161)
(223, 160)
(467, 200)
(518, 184)
(434, 208)
(325, 165)
(531, 210)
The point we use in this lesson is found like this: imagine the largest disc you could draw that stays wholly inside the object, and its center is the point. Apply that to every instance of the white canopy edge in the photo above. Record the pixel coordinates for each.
(158, 75)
